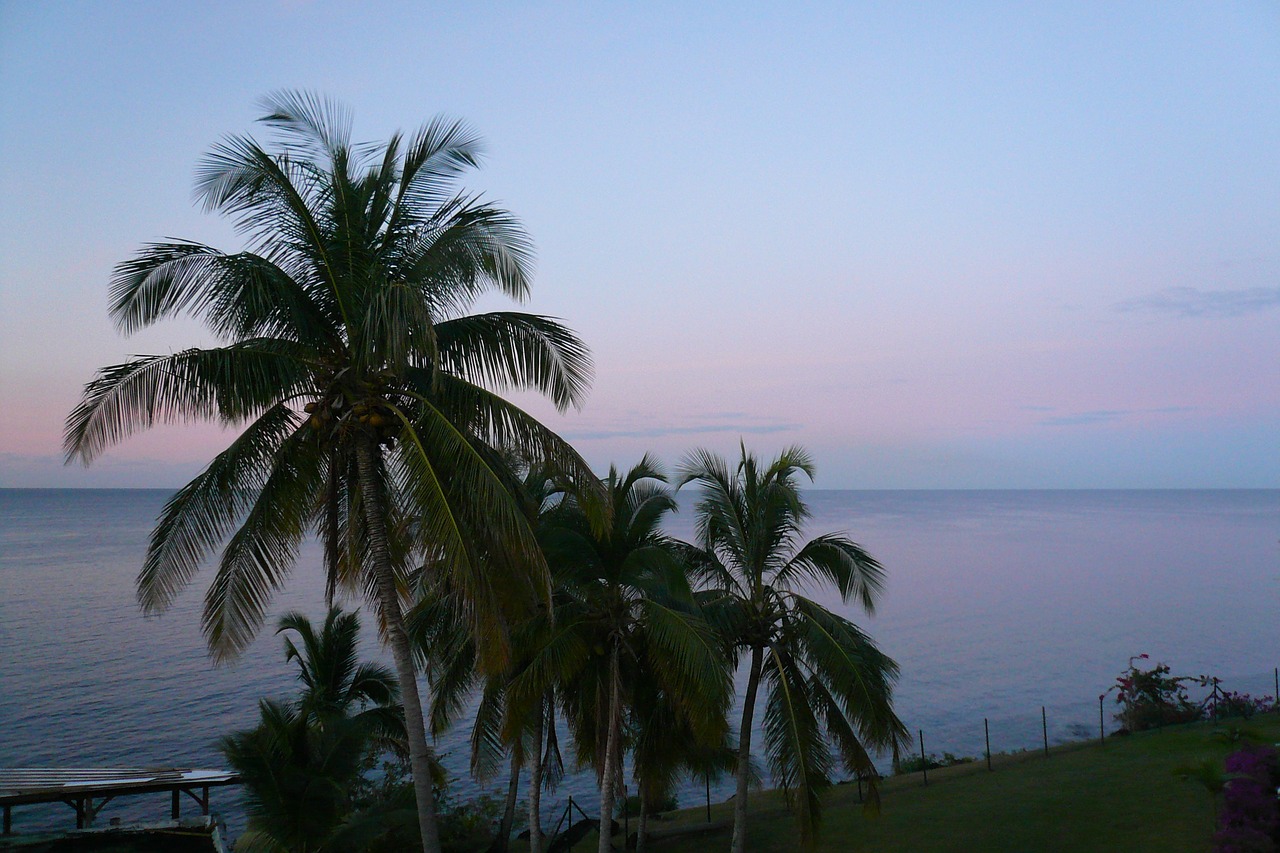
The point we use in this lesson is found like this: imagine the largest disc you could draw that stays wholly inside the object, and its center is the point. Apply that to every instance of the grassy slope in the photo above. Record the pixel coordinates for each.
(1121, 797)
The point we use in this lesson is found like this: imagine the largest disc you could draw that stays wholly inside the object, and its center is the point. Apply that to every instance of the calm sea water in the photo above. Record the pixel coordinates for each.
(998, 603)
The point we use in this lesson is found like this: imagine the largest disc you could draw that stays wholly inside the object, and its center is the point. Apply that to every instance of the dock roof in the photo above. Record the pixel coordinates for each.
(48, 784)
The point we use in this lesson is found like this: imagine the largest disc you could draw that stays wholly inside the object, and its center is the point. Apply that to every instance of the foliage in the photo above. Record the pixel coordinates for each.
(932, 761)
(467, 824)
(304, 764)
(1233, 704)
(1153, 698)
(631, 808)
(625, 625)
(826, 682)
(1209, 775)
(1249, 819)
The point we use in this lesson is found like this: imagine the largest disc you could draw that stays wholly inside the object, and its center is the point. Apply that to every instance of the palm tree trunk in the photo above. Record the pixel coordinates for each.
(739, 844)
(607, 782)
(375, 512)
(535, 783)
(642, 823)
(503, 841)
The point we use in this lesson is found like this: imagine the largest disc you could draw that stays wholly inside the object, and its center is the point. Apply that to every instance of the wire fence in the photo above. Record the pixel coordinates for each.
(945, 740)
(940, 740)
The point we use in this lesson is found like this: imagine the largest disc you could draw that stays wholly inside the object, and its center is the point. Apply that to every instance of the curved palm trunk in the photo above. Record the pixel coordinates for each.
(503, 841)
(375, 512)
(608, 787)
(535, 784)
(744, 754)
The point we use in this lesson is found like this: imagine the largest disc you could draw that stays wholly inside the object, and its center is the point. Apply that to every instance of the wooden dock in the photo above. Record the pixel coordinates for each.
(87, 790)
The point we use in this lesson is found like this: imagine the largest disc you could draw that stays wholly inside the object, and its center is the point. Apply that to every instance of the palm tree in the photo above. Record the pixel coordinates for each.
(448, 653)
(335, 681)
(298, 777)
(302, 762)
(367, 395)
(624, 602)
(826, 680)
(667, 742)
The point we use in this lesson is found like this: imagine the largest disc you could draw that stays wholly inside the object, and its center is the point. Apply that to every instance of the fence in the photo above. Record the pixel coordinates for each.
(958, 738)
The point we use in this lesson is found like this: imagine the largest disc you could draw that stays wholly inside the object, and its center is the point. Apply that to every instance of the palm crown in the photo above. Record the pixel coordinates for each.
(343, 321)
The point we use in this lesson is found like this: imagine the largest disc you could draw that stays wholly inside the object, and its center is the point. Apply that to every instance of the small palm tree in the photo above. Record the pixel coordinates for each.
(667, 743)
(336, 682)
(302, 763)
(366, 393)
(623, 604)
(826, 680)
(1211, 776)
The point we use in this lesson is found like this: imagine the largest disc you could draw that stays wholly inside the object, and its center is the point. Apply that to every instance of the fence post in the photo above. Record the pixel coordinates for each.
(986, 728)
(708, 798)
(569, 812)
(1044, 725)
(924, 762)
(1102, 731)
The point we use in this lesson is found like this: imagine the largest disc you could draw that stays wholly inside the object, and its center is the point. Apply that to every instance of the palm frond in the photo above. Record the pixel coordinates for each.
(229, 384)
(239, 296)
(437, 153)
(503, 424)
(470, 249)
(202, 513)
(505, 350)
(316, 126)
(838, 560)
(799, 758)
(261, 553)
(853, 668)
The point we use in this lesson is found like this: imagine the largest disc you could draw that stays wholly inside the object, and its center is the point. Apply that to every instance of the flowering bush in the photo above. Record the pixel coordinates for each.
(1239, 840)
(1249, 821)
(1152, 698)
(1232, 704)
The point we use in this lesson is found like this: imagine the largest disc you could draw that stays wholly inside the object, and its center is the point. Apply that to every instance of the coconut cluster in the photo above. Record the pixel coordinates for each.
(366, 409)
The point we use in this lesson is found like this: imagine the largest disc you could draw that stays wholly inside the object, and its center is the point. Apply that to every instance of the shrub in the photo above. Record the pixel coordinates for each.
(466, 824)
(1232, 704)
(932, 762)
(1238, 840)
(1153, 698)
(631, 808)
(1249, 820)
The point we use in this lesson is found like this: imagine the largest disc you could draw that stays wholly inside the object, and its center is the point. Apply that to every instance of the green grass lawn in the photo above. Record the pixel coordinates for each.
(1123, 796)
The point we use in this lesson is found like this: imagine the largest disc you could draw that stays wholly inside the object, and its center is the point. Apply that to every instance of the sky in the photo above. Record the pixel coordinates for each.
(940, 245)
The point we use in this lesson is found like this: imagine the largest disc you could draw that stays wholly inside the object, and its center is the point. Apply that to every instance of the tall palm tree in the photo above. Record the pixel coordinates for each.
(448, 652)
(826, 680)
(366, 394)
(624, 602)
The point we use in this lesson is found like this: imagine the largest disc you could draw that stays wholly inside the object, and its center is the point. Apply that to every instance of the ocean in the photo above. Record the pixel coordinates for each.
(999, 604)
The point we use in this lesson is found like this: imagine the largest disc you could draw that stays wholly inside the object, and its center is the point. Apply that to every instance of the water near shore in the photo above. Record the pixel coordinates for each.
(998, 603)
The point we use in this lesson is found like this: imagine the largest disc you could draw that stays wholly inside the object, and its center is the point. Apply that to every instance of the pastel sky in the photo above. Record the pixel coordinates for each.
(941, 245)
